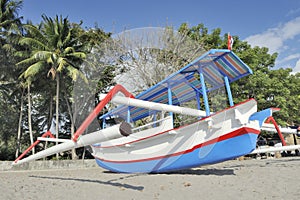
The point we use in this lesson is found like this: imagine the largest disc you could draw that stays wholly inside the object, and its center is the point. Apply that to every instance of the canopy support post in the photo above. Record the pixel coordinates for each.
(227, 85)
(128, 114)
(170, 100)
(204, 93)
(198, 101)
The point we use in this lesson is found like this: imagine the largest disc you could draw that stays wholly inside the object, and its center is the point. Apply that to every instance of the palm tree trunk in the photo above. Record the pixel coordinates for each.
(74, 155)
(29, 117)
(56, 110)
(20, 124)
(49, 117)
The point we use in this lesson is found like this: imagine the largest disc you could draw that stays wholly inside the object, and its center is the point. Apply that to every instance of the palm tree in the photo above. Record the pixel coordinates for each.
(10, 26)
(54, 47)
(10, 23)
(8, 14)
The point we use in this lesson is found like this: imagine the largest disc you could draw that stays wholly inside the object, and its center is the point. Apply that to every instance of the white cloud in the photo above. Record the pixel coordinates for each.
(297, 67)
(289, 58)
(267, 39)
(274, 38)
(290, 29)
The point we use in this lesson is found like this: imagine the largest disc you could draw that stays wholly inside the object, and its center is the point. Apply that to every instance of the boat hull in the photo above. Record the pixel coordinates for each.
(217, 152)
(223, 136)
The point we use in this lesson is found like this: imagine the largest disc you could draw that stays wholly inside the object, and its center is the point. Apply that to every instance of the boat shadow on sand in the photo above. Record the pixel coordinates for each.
(194, 171)
(109, 182)
(200, 171)
(115, 182)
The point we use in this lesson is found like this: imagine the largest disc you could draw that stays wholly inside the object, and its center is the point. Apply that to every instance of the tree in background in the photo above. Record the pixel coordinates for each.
(9, 19)
(268, 86)
(52, 47)
(81, 96)
(10, 92)
(36, 66)
(148, 55)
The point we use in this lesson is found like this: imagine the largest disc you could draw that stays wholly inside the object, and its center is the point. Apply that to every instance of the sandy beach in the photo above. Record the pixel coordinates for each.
(247, 179)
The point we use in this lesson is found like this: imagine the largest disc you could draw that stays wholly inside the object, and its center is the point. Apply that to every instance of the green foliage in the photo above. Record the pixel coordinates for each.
(9, 19)
(9, 86)
(269, 87)
(53, 46)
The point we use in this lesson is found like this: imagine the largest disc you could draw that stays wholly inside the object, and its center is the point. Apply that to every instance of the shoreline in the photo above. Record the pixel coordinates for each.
(275, 178)
(48, 164)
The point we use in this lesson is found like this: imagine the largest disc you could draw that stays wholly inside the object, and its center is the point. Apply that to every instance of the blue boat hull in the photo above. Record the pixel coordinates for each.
(218, 151)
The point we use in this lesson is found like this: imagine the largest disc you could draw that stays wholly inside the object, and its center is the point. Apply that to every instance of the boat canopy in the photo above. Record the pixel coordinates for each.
(216, 68)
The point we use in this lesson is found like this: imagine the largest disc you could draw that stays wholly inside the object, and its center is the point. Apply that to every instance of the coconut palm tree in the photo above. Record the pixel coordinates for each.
(8, 14)
(10, 26)
(53, 46)
(10, 23)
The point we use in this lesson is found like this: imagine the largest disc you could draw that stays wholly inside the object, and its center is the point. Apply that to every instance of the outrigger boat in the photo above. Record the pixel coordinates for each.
(153, 143)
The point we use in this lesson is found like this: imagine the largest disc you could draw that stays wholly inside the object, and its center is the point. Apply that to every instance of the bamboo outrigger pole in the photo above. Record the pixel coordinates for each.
(88, 139)
(123, 129)
(155, 106)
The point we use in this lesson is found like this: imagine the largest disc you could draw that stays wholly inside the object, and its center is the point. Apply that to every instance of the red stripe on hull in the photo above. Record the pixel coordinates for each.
(238, 132)
(157, 134)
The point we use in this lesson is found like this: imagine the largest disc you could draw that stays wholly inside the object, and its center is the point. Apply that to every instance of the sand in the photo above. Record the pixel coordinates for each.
(247, 179)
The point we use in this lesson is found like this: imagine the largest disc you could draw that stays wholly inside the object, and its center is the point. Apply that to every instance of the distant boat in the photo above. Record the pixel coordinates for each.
(210, 133)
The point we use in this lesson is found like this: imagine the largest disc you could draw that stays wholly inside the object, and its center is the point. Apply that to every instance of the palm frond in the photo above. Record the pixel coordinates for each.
(50, 60)
(33, 43)
(9, 14)
(21, 54)
(35, 32)
(69, 50)
(74, 73)
(67, 38)
(8, 48)
(27, 61)
(6, 23)
(34, 69)
(78, 55)
(42, 55)
(14, 29)
(62, 63)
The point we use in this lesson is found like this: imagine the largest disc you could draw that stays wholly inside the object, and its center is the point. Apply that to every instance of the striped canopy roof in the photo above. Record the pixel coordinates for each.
(185, 84)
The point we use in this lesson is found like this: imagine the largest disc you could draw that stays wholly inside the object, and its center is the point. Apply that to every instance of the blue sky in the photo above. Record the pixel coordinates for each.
(274, 24)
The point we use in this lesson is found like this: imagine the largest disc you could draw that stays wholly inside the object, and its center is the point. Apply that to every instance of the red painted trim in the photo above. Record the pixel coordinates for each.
(277, 129)
(98, 108)
(275, 109)
(160, 133)
(238, 132)
(48, 133)
(88, 120)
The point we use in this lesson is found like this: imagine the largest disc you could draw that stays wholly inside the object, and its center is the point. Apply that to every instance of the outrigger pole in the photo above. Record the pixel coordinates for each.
(123, 129)
(88, 139)
(276, 149)
(155, 106)
(275, 128)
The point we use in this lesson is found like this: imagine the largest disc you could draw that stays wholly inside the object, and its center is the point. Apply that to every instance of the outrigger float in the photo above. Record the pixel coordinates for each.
(152, 143)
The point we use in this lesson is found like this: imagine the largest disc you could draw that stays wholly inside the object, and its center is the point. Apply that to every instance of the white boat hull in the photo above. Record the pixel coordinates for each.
(222, 136)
